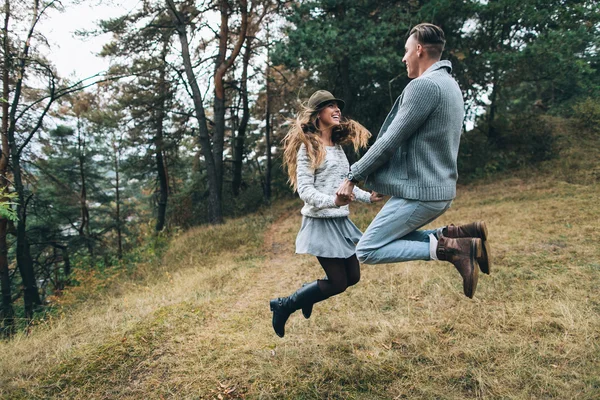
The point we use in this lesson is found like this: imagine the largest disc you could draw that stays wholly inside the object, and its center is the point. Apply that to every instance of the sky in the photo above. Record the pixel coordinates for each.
(73, 56)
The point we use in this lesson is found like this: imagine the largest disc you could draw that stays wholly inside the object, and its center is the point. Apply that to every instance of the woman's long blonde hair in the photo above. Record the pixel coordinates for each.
(304, 130)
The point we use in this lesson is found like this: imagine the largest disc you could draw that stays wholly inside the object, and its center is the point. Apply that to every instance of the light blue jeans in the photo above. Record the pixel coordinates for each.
(393, 236)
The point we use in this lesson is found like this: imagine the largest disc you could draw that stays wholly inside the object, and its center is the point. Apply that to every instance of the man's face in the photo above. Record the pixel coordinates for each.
(411, 57)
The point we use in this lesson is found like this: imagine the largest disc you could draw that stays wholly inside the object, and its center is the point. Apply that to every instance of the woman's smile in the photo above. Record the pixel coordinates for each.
(330, 115)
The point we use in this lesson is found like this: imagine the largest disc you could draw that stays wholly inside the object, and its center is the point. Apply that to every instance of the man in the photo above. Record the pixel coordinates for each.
(414, 160)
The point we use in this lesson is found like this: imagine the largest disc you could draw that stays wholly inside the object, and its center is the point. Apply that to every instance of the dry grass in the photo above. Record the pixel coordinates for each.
(199, 328)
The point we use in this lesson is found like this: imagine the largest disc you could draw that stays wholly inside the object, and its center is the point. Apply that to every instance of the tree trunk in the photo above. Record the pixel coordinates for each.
(219, 100)
(222, 64)
(267, 183)
(6, 312)
(214, 196)
(24, 261)
(66, 263)
(219, 140)
(84, 228)
(118, 199)
(238, 146)
(267, 188)
(160, 163)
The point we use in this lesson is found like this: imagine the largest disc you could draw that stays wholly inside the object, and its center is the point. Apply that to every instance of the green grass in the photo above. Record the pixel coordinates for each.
(197, 326)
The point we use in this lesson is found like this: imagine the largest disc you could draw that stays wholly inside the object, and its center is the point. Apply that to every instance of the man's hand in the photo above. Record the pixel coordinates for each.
(375, 197)
(345, 189)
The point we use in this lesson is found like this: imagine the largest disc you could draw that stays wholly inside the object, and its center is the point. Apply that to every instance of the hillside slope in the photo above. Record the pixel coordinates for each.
(200, 328)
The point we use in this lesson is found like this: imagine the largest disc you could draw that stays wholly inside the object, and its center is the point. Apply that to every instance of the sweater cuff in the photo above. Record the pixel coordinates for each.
(362, 195)
(331, 203)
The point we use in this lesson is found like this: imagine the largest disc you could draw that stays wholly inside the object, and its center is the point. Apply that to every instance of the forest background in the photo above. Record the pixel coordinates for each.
(138, 202)
(99, 175)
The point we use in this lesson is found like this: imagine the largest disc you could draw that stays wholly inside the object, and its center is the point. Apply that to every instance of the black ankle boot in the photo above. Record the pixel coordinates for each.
(283, 307)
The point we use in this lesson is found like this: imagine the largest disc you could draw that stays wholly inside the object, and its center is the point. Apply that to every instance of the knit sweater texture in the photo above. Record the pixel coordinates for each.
(317, 187)
(415, 153)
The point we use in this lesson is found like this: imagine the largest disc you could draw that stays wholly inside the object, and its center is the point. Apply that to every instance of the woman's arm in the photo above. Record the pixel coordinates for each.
(361, 195)
(306, 183)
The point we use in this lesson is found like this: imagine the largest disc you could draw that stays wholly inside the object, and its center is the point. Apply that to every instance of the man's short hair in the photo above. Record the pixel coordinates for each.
(431, 37)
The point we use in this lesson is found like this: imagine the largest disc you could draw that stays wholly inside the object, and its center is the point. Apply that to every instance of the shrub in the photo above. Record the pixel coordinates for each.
(523, 141)
(530, 140)
(476, 156)
(587, 115)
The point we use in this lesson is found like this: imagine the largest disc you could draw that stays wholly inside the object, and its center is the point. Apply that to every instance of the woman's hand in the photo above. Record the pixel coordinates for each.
(345, 188)
(341, 200)
(375, 197)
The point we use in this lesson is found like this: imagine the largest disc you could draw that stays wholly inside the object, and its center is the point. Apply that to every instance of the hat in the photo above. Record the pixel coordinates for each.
(320, 97)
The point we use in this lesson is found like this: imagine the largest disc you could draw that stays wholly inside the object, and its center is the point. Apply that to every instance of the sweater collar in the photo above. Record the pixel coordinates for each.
(439, 65)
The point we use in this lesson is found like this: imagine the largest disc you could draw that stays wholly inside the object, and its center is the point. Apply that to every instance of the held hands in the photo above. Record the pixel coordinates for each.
(343, 200)
(344, 195)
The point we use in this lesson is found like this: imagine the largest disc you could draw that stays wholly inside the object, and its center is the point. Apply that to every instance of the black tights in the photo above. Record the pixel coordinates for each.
(341, 273)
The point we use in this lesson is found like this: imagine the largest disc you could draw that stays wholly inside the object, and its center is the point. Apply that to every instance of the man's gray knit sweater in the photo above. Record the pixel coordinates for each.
(414, 155)
(317, 187)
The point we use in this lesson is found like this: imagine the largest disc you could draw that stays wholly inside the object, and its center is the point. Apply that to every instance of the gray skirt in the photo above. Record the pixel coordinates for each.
(327, 237)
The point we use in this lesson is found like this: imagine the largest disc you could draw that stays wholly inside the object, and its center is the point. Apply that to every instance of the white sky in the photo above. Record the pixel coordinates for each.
(73, 56)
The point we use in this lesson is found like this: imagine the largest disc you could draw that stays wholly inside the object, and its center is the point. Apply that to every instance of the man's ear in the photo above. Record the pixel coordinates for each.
(420, 50)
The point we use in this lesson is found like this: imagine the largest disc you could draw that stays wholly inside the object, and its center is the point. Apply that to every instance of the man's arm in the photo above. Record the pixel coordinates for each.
(421, 97)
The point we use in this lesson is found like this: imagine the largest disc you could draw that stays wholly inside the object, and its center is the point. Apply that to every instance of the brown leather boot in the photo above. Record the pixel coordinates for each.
(477, 230)
(463, 253)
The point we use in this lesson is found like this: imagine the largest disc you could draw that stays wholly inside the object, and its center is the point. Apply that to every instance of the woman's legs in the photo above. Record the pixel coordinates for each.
(336, 281)
(352, 270)
(341, 273)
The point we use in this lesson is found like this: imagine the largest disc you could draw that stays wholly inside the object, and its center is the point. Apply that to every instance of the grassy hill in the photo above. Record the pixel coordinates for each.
(199, 326)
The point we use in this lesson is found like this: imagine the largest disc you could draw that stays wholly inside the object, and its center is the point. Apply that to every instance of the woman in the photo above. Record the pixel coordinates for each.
(316, 166)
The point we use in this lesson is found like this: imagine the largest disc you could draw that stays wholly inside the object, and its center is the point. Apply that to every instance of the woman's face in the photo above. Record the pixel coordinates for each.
(330, 115)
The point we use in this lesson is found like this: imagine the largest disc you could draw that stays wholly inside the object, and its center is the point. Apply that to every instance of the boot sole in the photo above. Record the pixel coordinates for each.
(484, 259)
(476, 250)
(482, 230)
